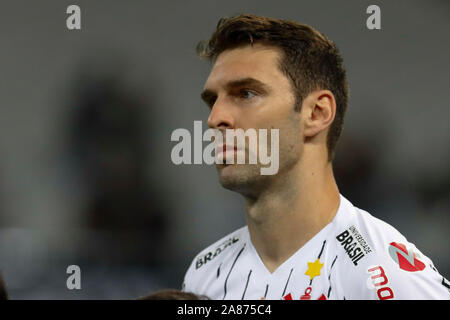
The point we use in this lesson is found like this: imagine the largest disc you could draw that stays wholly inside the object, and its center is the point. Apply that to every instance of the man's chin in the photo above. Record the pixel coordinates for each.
(238, 177)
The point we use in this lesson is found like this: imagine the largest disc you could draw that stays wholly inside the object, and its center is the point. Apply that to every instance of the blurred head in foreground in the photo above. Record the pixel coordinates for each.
(172, 294)
(3, 293)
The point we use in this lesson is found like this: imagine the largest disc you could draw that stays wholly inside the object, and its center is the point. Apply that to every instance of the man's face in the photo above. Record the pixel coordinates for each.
(247, 90)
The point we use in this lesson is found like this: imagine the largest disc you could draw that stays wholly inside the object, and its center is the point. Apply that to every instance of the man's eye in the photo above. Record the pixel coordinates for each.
(247, 94)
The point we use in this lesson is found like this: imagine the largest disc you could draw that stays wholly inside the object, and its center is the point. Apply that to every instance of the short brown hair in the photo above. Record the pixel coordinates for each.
(310, 60)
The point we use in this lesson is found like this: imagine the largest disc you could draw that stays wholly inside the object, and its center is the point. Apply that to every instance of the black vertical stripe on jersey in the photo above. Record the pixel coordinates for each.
(329, 291)
(332, 264)
(318, 257)
(231, 269)
(265, 293)
(321, 250)
(335, 258)
(284, 291)
(246, 285)
(218, 270)
(445, 283)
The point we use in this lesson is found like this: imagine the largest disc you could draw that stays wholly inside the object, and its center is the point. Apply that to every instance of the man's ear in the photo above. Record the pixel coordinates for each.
(318, 112)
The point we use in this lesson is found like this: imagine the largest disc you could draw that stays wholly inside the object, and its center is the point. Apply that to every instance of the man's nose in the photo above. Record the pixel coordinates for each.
(220, 116)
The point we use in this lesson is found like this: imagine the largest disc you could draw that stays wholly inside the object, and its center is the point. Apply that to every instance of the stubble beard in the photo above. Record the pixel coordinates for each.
(245, 179)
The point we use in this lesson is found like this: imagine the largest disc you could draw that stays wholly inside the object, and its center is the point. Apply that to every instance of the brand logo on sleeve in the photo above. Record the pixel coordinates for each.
(406, 259)
(204, 258)
(354, 244)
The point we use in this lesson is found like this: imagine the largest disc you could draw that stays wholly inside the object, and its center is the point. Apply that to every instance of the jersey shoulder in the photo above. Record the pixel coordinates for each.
(206, 262)
(384, 264)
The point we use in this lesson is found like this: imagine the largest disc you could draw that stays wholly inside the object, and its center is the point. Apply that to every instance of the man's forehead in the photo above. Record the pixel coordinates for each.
(257, 61)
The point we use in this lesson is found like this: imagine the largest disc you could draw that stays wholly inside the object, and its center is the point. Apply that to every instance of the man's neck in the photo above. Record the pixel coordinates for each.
(291, 212)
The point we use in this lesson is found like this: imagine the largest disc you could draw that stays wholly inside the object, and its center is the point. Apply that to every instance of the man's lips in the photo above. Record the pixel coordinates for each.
(226, 148)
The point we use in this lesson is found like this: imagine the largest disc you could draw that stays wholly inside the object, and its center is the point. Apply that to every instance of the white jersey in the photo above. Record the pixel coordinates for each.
(356, 256)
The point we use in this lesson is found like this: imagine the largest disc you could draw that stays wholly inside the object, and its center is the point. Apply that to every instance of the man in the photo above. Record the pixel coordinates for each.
(303, 240)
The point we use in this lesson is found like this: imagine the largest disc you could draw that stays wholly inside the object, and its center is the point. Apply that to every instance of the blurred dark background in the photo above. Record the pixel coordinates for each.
(86, 117)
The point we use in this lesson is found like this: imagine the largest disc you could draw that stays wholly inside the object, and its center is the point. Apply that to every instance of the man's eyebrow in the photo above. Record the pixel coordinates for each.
(247, 82)
(207, 94)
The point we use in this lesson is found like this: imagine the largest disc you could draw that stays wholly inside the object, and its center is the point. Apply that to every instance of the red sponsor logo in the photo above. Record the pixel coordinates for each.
(380, 281)
(406, 259)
